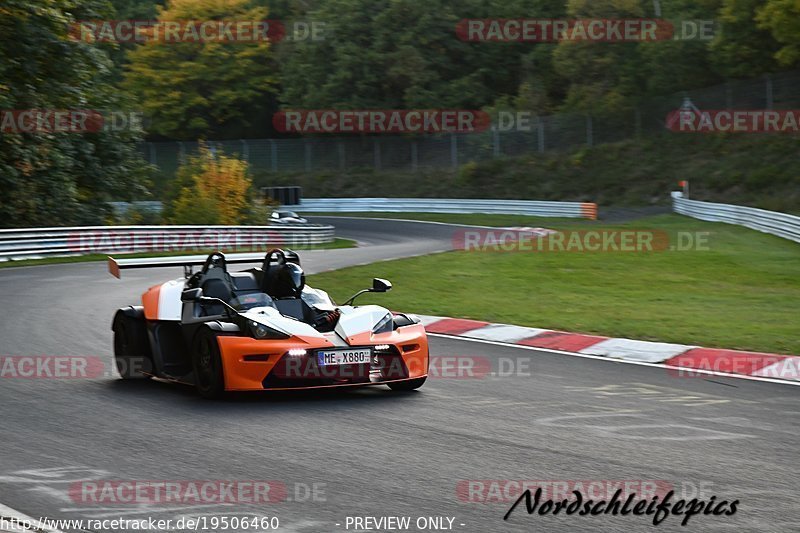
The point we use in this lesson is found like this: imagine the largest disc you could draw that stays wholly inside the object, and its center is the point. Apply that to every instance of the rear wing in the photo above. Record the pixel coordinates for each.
(115, 266)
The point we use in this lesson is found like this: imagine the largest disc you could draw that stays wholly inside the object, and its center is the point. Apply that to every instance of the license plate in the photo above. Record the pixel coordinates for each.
(344, 357)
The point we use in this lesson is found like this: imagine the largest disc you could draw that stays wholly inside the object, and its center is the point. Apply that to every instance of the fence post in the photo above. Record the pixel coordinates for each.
(495, 143)
(453, 150)
(728, 95)
(414, 156)
(376, 148)
(307, 152)
(541, 134)
(245, 151)
(589, 131)
(273, 155)
(770, 95)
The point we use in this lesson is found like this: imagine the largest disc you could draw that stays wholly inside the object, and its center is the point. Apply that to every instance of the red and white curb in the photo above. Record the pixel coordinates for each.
(678, 356)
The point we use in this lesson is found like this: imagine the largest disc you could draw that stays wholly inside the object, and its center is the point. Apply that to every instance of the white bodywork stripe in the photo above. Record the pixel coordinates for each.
(169, 300)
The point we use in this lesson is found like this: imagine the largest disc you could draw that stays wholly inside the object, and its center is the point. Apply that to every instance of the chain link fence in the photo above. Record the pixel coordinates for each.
(541, 134)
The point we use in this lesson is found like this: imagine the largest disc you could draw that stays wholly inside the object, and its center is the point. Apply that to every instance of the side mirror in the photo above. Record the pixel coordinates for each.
(381, 285)
(191, 295)
(378, 285)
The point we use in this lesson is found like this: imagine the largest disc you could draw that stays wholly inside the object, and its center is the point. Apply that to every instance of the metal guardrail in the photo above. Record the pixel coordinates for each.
(445, 205)
(31, 243)
(780, 224)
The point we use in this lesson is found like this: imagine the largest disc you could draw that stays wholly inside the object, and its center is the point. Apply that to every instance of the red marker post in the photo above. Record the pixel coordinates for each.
(685, 185)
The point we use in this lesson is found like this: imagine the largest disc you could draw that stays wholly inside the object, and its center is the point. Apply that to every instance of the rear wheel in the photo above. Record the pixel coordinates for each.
(131, 347)
(207, 364)
(410, 384)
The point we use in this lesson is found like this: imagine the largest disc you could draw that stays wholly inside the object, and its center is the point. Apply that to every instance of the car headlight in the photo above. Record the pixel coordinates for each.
(260, 331)
(384, 325)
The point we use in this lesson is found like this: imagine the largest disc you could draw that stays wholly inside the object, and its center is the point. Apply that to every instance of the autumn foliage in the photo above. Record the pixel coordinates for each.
(213, 188)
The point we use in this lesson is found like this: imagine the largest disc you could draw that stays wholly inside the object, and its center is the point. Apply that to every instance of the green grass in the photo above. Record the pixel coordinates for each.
(742, 293)
(336, 244)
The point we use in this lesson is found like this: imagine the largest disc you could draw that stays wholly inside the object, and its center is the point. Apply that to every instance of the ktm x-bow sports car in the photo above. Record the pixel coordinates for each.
(262, 329)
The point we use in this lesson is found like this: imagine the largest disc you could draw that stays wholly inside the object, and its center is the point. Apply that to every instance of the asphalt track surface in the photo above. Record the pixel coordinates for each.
(372, 452)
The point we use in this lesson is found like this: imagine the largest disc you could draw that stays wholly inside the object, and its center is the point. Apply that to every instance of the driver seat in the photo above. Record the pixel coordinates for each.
(217, 283)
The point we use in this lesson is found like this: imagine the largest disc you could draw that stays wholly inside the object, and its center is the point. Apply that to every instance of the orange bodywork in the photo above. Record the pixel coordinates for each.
(150, 302)
(242, 375)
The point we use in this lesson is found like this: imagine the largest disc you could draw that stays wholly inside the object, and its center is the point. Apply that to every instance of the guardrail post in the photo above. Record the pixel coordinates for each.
(728, 95)
(770, 96)
(541, 135)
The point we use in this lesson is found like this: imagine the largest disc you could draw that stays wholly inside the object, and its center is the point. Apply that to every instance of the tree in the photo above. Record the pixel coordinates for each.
(742, 49)
(782, 19)
(213, 88)
(212, 188)
(671, 66)
(60, 178)
(402, 54)
(604, 77)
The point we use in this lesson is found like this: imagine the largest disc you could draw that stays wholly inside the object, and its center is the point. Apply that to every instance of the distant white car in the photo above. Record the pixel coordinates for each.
(287, 217)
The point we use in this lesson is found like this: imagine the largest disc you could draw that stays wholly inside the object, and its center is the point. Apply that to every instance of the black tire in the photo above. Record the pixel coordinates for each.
(131, 347)
(207, 365)
(410, 384)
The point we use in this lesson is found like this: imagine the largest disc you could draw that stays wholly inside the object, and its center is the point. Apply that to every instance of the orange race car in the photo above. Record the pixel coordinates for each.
(262, 329)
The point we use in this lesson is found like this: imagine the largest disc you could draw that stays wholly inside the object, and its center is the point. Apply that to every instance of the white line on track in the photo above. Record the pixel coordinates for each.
(693, 371)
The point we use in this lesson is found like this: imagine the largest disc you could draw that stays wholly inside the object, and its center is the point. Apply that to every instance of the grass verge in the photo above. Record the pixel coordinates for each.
(742, 292)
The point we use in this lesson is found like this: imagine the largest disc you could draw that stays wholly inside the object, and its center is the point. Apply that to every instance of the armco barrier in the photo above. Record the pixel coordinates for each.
(445, 205)
(780, 224)
(30, 243)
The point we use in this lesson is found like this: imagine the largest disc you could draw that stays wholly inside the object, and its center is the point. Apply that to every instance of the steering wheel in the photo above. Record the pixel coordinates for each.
(217, 259)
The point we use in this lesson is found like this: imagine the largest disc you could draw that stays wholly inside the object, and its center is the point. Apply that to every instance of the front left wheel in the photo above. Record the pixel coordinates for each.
(131, 347)
(207, 365)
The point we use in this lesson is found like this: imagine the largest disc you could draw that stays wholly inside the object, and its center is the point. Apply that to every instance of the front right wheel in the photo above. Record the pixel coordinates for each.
(409, 384)
(207, 364)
